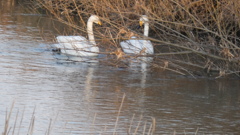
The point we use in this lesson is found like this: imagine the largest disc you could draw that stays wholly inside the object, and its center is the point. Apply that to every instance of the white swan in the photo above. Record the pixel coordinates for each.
(136, 46)
(79, 45)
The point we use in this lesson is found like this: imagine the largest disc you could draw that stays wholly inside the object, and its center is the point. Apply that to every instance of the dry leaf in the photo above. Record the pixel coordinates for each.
(226, 52)
(119, 53)
(166, 63)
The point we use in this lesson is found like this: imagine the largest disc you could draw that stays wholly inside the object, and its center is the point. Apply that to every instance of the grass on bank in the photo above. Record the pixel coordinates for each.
(136, 126)
(197, 37)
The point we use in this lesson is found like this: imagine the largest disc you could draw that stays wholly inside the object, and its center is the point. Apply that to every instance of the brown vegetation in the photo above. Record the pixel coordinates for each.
(191, 36)
(136, 126)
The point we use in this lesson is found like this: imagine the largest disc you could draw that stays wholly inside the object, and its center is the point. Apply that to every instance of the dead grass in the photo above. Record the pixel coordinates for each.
(189, 35)
(136, 126)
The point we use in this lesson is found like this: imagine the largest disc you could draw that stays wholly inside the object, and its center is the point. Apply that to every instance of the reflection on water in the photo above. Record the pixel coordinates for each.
(141, 65)
(85, 97)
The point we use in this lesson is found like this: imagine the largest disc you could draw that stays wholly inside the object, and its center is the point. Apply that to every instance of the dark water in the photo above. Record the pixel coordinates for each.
(85, 98)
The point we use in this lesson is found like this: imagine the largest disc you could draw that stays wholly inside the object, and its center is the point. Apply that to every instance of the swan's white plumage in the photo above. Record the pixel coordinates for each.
(79, 45)
(134, 45)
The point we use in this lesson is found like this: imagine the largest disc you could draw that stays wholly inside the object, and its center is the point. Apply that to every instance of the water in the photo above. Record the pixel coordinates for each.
(85, 98)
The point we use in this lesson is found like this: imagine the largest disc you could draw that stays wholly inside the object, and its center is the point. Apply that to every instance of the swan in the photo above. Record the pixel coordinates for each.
(79, 45)
(139, 46)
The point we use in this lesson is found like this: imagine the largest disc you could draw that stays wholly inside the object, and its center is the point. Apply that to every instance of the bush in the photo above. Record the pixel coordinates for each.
(189, 36)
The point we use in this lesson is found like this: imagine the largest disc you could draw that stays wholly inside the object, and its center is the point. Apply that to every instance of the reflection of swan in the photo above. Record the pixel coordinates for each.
(144, 72)
(144, 69)
(89, 78)
(88, 85)
(79, 45)
(136, 46)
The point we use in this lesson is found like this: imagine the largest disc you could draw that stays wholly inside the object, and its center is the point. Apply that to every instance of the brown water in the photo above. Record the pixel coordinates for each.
(84, 98)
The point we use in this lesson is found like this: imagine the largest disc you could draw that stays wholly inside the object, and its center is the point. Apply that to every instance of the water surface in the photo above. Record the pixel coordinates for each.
(84, 98)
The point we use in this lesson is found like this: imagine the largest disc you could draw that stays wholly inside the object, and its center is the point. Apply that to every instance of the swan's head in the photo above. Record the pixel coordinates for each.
(143, 19)
(95, 19)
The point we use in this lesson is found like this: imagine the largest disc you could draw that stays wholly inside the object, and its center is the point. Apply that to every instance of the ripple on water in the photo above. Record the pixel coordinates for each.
(85, 98)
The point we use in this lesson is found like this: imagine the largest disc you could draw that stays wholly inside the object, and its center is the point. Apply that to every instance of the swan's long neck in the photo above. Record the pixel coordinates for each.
(146, 29)
(90, 32)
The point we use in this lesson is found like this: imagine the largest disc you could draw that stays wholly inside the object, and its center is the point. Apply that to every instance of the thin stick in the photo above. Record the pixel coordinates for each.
(15, 122)
(120, 108)
(21, 121)
(140, 121)
(129, 130)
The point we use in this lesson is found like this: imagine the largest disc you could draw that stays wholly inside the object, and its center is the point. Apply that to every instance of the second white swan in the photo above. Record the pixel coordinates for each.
(79, 45)
(138, 46)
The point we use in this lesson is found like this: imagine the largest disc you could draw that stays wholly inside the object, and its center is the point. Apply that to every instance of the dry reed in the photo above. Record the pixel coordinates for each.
(191, 36)
(146, 128)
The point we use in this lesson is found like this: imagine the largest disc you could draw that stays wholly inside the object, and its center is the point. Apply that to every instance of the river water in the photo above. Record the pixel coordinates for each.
(63, 97)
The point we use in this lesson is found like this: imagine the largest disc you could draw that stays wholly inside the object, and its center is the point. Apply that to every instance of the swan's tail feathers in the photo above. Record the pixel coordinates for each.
(56, 46)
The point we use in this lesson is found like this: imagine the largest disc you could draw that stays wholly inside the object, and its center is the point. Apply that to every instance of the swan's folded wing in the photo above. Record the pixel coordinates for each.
(72, 42)
(67, 39)
(131, 46)
(148, 45)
